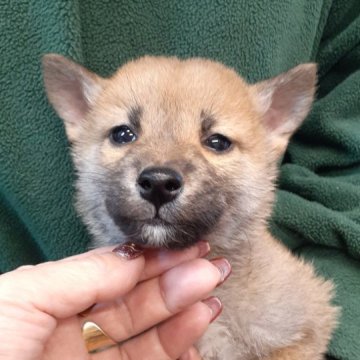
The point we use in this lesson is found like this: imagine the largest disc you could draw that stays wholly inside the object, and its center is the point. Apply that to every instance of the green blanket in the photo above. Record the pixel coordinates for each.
(317, 212)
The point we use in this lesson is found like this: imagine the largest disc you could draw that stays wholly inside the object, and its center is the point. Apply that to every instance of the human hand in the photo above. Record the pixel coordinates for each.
(151, 304)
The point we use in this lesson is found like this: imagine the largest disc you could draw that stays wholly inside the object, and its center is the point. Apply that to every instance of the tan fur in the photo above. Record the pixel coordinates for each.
(275, 306)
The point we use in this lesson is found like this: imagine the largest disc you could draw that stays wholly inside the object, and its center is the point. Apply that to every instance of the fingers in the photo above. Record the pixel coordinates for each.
(157, 299)
(95, 276)
(62, 289)
(157, 260)
(172, 338)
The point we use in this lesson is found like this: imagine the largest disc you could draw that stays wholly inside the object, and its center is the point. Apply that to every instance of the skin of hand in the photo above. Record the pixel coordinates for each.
(151, 302)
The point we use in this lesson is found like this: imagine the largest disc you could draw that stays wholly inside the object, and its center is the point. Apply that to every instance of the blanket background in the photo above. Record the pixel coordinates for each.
(317, 212)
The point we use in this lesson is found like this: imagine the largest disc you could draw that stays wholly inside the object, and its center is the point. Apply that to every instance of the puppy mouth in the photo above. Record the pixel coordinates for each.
(171, 228)
(158, 233)
(156, 221)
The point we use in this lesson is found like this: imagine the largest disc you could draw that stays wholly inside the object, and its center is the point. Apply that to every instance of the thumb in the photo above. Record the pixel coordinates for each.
(65, 288)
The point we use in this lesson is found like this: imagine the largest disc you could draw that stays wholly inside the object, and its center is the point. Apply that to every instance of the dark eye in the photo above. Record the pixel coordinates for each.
(122, 135)
(218, 142)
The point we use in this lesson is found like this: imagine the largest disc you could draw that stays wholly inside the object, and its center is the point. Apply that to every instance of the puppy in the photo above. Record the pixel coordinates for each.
(171, 151)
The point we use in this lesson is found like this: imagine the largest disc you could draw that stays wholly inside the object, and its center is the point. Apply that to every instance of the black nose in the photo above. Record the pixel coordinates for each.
(159, 185)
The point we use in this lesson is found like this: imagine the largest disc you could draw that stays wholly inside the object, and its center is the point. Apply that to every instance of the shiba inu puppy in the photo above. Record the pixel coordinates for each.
(171, 151)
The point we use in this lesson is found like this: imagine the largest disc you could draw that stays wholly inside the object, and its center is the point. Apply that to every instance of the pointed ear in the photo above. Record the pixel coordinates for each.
(71, 90)
(284, 102)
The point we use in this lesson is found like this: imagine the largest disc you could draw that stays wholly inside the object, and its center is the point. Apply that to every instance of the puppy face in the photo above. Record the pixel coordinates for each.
(170, 151)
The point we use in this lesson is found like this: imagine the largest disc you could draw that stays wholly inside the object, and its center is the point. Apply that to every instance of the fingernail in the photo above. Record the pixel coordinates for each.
(224, 267)
(215, 306)
(204, 248)
(128, 251)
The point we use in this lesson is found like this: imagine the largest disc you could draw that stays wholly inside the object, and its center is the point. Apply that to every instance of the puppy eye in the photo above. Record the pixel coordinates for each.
(218, 142)
(122, 135)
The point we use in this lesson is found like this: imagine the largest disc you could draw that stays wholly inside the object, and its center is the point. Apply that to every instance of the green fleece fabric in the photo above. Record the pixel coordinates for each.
(317, 212)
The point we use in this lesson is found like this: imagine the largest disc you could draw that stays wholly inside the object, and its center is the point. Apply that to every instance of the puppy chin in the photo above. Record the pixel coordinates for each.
(162, 236)
(155, 235)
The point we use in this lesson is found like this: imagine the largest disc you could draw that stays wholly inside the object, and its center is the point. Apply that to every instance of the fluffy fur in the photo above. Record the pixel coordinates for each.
(275, 307)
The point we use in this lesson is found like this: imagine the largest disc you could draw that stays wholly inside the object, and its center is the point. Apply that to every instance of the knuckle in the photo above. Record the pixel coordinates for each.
(25, 267)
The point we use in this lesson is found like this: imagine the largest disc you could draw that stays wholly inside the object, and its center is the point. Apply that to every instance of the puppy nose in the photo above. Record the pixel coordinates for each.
(159, 185)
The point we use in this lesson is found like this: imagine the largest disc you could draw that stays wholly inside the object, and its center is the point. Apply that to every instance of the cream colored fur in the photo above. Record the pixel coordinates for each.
(275, 306)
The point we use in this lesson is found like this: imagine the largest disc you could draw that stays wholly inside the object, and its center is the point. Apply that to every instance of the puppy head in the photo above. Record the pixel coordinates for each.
(169, 151)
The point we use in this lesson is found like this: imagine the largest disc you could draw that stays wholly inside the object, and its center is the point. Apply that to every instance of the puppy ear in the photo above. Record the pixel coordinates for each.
(284, 102)
(71, 90)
